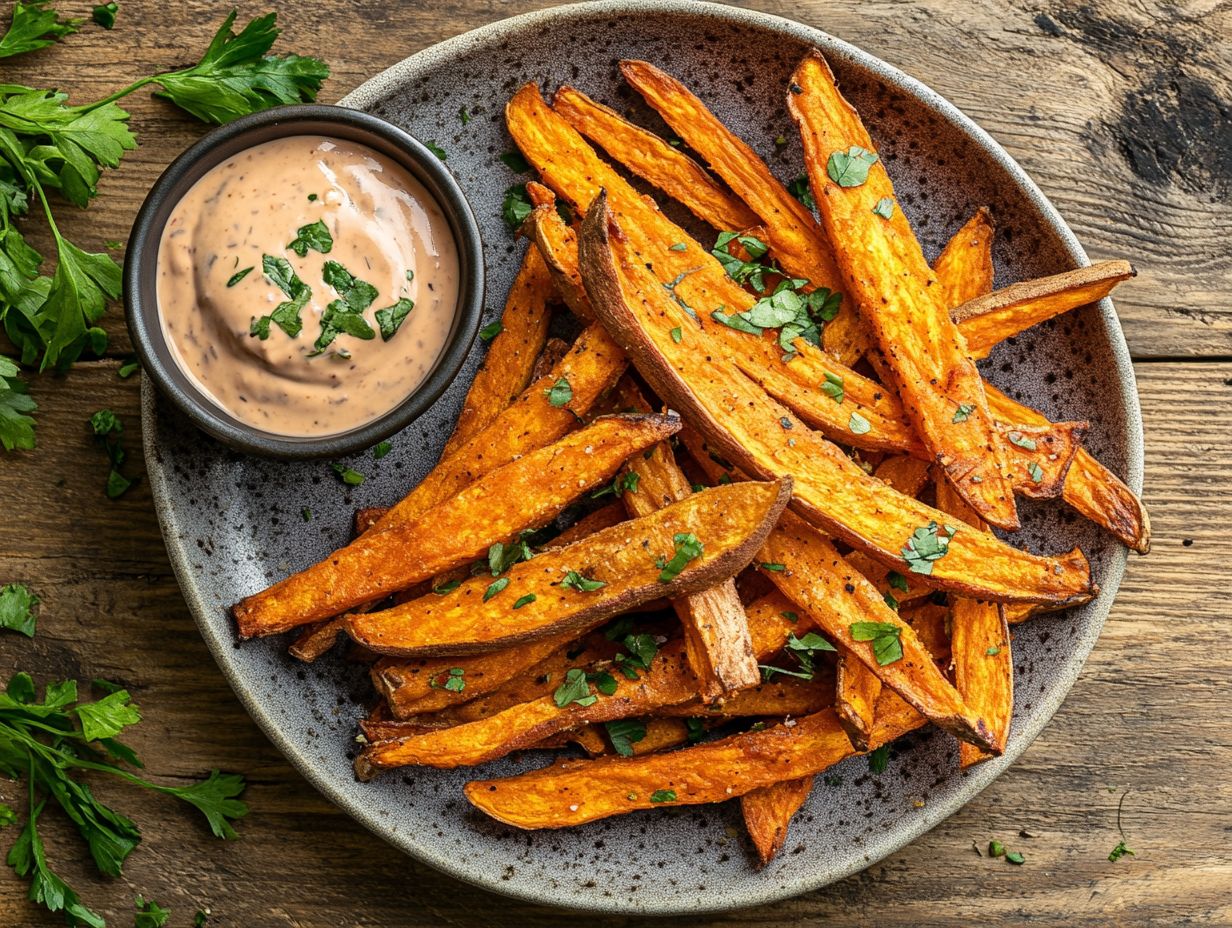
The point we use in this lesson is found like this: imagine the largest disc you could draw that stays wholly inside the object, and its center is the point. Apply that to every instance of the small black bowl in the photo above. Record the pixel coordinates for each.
(141, 267)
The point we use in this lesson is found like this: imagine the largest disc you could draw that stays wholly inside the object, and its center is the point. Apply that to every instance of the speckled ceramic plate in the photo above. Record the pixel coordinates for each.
(233, 524)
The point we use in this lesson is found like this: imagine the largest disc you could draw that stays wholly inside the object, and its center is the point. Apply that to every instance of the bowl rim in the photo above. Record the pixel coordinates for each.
(141, 266)
(221, 642)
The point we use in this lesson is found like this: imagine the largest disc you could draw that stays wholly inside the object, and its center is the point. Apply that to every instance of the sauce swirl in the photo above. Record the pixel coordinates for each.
(307, 285)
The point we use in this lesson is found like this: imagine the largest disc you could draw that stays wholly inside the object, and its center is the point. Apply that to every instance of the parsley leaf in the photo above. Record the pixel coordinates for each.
(315, 235)
(663, 795)
(879, 759)
(559, 393)
(105, 14)
(688, 548)
(150, 914)
(236, 76)
(352, 478)
(516, 206)
(1119, 851)
(16, 427)
(491, 330)
(926, 545)
(574, 689)
(963, 412)
(17, 609)
(858, 424)
(34, 27)
(575, 581)
(624, 483)
(238, 276)
(436, 150)
(107, 428)
(107, 717)
(800, 189)
(677, 335)
(886, 639)
(381, 449)
(884, 208)
(390, 319)
(624, 733)
(515, 162)
(850, 168)
(833, 387)
(1022, 441)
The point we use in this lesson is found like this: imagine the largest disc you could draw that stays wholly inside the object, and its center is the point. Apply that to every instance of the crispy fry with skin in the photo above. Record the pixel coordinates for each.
(759, 436)
(533, 421)
(1089, 487)
(554, 351)
(716, 632)
(884, 269)
(731, 523)
(768, 812)
(652, 159)
(525, 493)
(575, 792)
(964, 268)
(989, 320)
(782, 696)
(1048, 452)
(980, 648)
(511, 356)
(557, 243)
(800, 246)
(856, 689)
(572, 168)
(669, 681)
(815, 577)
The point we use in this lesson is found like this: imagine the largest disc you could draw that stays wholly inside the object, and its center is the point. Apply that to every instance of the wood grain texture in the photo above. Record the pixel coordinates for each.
(1099, 106)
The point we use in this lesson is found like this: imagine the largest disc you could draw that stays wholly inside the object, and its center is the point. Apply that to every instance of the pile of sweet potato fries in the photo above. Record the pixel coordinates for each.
(789, 565)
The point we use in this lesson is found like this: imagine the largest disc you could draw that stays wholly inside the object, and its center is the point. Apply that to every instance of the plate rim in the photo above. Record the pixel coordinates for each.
(220, 644)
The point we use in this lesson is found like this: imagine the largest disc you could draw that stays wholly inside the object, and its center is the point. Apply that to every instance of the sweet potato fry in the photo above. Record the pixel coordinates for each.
(651, 158)
(668, 681)
(980, 648)
(575, 792)
(522, 494)
(532, 422)
(317, 639)
(795, 238)
(553, 352)
(760, 437)
(885, 271)
(1089, 487)
(716, 632)
(988, 320)
(511, 356)
(768, 812)
(837, 599)
(964, 268)
(557, 242)
(537, 600)
(782, 696)
(856, 689)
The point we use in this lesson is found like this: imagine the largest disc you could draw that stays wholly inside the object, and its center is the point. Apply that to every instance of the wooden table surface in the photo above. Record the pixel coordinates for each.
(1119, 110)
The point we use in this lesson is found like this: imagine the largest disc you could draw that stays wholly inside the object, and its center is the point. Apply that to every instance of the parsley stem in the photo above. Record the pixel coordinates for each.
(118, 95)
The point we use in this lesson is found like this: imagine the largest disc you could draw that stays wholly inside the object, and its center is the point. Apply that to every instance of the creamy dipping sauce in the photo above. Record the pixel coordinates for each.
(307, 285)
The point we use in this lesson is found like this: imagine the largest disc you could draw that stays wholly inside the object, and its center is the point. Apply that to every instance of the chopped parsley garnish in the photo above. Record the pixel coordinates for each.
(642, 651)
(345, 315)
(804, 650)
(352, 478)
(858, 424)
(792, 617)
(996, 849)
(850, 168)
(993, 651)
(516, 206)
(696, 730)
(515, 162)
(926, 545)
(306, 514)
(491, 330)
(17, 611)
(1036, 472)
(105, 14)
(315, 235)
(879, 759)
(884, 208)
(1022, 441)
(495, 587)
(679, 246)
(390, 319)
(559, 393)
(447, 587)
(624, 483)
(800, 189)
(677, 335)
(886, 639)
(774, 566)
(128, 368)
(524, 600)
(963, 412)
(574, 689)
(312, 198)
(1119, 851)
(663, 795)
(149, 913)
(890, 601)
(463, 115)
(502, 556)
(454, 681)
(436, 150)
(1014, 857)
(238, 276)
(286, 314)
(688, 548)
(107, 428)
(897, 581)
(382, 448)
(833, 387)
(624, 733)
(575, 581)
(785, 423)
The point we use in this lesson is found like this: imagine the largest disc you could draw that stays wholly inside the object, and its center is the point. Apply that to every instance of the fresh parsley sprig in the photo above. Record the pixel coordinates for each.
(49, 742)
